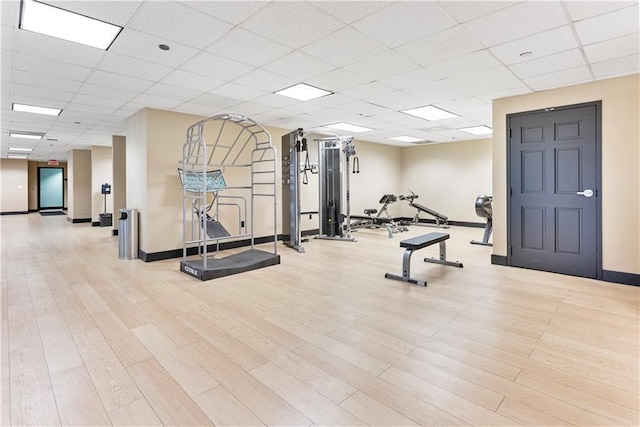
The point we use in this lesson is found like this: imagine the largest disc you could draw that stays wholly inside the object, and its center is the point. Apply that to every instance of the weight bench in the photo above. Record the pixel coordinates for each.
(419, 242)
(441, 220)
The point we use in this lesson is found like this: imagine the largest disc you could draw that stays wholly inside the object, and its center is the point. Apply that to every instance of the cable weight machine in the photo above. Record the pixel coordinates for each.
(333, 168)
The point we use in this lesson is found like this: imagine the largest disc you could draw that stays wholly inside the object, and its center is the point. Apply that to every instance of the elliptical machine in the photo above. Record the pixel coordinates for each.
(484, 209)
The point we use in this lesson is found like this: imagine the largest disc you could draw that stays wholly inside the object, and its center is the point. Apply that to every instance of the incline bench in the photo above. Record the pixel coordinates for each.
(419, 242)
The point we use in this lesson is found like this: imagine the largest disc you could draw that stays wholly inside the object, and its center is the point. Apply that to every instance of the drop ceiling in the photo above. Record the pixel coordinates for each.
(377, 58)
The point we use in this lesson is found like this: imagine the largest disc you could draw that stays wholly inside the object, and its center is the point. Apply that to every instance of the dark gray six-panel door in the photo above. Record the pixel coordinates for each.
(553, 209)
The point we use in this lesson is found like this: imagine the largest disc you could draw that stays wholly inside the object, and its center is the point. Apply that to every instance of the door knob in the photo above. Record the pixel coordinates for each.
(586, 193)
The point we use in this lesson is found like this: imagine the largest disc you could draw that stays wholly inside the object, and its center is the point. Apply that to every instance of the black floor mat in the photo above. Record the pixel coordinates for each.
(51, 213)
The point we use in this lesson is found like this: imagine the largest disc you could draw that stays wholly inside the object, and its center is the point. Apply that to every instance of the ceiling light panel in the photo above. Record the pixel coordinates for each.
(16, 156)
(303, 92)
(25, 135)
(477, 130)
(406, 138)
(348, 127)
(52, 21)
(430, 113)
(23, 150)
(36, 110)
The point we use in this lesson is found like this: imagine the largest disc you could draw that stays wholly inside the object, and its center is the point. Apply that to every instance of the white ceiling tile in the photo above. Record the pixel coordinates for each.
(396, 100)
(463, 11)
(343, 47)
(543, 44)
(187, 80)
(351, 11)
(465, 106)
(548, 64)
(404, 22)
(38, 92)
(10, 13)
(362, 108)
(167, 91)
(609, 26)
(488, 80)
(52, 68)
(251, 108)
(132, 67)
(367, 90)
(410, 78)
(44, 81)
(35, 44)
(241, 93)
(156, 101)
(111, 11)
(617, 67)
(517, 21)
(243, 46)
(7, 38)
(385, 64)
(92, 112)
(304, 107)
(103, 78)
(330, 100)
(217, 67)
(504, 93)
(294, 24)
(107, 92)
(437, 91)
(586, 9)
(276, 101)
(176, 22)
(97, 101)
(560, 78)
(441, 46)
(214, 100)
(261, 79)
(298, 66)
(144, 47)
(231, 11)
(615, 48)
(465, 64)
(337, 80)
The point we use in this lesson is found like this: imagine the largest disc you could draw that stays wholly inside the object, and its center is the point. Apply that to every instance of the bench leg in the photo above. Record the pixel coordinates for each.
(443, 257)
(406, 271)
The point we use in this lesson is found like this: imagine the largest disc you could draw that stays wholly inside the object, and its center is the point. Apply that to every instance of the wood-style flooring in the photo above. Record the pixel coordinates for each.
(322, 339)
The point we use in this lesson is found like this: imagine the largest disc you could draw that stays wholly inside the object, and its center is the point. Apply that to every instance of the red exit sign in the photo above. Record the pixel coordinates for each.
(53, 163)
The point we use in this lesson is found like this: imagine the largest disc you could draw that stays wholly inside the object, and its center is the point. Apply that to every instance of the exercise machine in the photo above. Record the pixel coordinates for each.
(440, 219)
(484, 209)
(227, 171)
(334, 210)
(293, 145)
(379, 220)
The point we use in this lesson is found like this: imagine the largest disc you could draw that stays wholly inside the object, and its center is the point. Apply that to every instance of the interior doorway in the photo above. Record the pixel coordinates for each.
(50, 188)
(554, 181)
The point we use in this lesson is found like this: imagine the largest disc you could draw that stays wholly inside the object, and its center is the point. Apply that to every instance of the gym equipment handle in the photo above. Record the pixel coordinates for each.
(586, 193)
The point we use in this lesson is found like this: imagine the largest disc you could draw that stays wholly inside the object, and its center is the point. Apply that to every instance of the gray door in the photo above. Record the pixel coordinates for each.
(50, 188)
(554, 176)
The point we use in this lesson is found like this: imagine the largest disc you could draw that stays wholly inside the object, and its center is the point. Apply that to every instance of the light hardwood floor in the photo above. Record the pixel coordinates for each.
(322, 339)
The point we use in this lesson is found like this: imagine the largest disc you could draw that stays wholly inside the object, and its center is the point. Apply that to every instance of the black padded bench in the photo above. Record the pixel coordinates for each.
(419, 242)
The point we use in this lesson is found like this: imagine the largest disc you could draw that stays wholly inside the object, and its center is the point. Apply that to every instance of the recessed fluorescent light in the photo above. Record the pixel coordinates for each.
(303, 92)
(35, 109)
(16, 156)
(26, 135)
(477, 130)
(55, 22)
(25, 150)
(348, 127)
(430, 113)
(406, 139)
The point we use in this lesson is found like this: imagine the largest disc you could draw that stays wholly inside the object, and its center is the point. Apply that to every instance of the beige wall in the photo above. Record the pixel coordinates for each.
(119, 173)
(620, 163)
(79, 184)
(101, 172)
(136, 171)
(447, 177)
(13, 185)
(33, 183)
